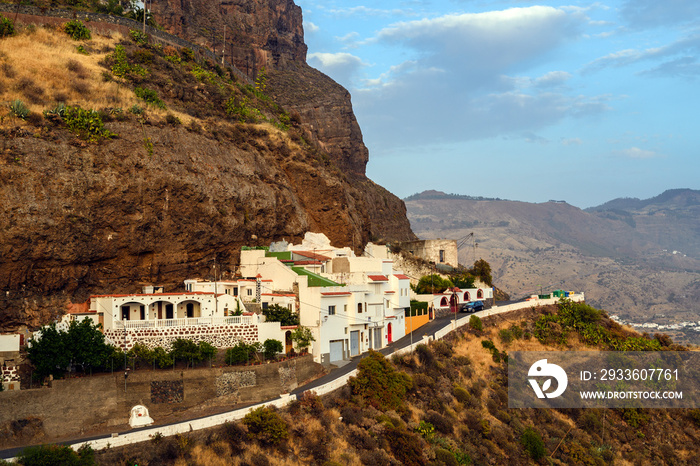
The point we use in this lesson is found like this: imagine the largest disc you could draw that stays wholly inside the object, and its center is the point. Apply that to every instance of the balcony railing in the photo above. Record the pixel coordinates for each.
(186, 322)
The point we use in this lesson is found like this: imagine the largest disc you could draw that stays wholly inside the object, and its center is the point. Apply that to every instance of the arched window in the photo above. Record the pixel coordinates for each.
(480, 294)
(443, 302)
(466, 296)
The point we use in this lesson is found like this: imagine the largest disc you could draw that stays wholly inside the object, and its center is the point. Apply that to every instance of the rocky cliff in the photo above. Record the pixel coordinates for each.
(268, 34)
(209, 166)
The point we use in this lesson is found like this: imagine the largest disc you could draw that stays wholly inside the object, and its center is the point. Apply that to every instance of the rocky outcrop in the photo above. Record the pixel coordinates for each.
(269, 33)
(80, 219)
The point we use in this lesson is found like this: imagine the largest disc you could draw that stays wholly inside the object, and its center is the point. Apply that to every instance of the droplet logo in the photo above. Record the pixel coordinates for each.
(542, 369)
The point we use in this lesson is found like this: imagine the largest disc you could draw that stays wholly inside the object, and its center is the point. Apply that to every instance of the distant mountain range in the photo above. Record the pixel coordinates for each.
(635, 258)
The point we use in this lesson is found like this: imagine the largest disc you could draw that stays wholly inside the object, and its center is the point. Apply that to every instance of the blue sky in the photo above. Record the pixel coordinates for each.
(531, 101)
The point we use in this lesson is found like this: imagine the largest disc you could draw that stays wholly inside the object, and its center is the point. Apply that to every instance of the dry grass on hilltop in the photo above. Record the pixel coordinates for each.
(43, 67)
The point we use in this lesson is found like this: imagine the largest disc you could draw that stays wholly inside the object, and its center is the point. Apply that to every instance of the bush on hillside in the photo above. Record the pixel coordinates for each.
(533, 444)
(379, 383)
(7, 27)
(77, 30)
(266, 426)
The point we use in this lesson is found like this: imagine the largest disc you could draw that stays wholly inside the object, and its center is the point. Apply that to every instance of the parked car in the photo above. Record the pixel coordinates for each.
(472, 306)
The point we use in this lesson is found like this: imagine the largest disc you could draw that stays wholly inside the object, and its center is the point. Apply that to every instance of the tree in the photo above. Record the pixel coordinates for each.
(86, 345)
(432, 284)
(302, 337)
(271, 348)
(482, 269)
(283, 315)
(266, 426)
(48, 353)
(379, 383)
(464, 281)
(185, 350)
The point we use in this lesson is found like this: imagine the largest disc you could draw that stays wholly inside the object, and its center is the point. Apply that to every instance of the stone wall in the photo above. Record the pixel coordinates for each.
(101, 404)
(221, 336)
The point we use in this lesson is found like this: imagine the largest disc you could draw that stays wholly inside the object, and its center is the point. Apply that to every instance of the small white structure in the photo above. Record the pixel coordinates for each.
(139, 417)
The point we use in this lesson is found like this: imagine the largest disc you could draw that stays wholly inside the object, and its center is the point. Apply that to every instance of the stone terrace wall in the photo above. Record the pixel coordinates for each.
(221, 336)
(98, 22)
(101, 404)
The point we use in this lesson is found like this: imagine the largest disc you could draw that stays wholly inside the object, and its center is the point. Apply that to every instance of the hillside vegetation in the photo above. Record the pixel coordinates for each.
(446, 404)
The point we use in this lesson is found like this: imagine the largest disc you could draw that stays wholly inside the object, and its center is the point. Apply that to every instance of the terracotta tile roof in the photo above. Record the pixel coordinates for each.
(197, 293)
(389, 292)
(307, 263)
(378, 278)
(401, 276)
(336, 293)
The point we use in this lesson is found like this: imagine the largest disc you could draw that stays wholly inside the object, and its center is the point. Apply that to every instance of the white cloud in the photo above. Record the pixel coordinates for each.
(461, 81)
(688, 45)
(571, 141)
(361, 10)
(491, 41)
(310, 27)
(552, 79)
(341, 66)
(637, 153)
(652, 13)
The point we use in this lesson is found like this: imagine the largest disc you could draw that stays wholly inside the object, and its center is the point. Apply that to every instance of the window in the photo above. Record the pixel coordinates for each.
(226, 291)
(265, 305)
(250, 292)
(442, 256)
(331, 310)
(480, 294)
(443, 302)
(466, 296)
(345, 308)
(359, 308)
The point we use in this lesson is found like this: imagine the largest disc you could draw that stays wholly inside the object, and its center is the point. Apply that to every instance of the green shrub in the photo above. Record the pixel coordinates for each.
(207, 351)
(505, 335)
(19, 109)
(281, 314)
(136, 110)
(87, 123)
(162, 358)
(149, 96)
(43, 455)
(172, 119)
(516, 331)
(446, 457)
(187, 54)
(186, 350)
(475, 323)
(77, 30)
(533, 444)
(379, 383)
(271, 348)
(266, 426)
(7, 27)
(139, 37)
(241, 353)
(120, 65)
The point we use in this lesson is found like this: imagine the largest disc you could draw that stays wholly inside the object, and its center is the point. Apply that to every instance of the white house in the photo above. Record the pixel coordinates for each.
(350, 304)
(156, 318)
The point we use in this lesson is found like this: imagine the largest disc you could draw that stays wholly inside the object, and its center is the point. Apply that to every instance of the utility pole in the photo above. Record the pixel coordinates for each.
(223, 51)
(144, 16)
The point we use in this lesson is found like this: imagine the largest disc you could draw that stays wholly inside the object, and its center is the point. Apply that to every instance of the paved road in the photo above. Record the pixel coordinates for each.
(428, 329)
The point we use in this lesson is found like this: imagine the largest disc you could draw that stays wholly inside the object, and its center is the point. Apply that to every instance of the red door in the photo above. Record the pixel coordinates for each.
(388, 333)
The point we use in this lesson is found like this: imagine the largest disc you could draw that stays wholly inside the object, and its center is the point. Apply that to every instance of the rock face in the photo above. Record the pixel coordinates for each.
(269, 34)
